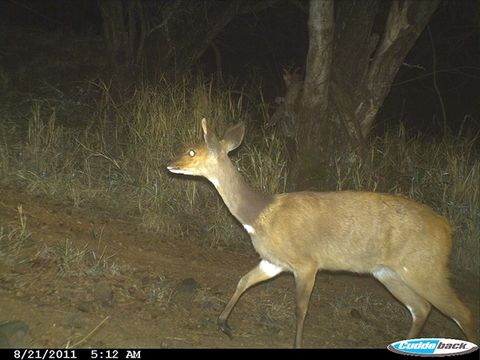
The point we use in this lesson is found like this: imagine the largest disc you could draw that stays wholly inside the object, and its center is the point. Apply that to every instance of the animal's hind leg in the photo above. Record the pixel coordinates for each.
(439, 293)
(419, 307)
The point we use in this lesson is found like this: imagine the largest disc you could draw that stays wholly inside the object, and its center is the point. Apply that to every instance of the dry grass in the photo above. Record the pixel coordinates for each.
(72, 259)
(13, 239)
(160, 293)
(115, 160)
(442, 173)
(69, 258)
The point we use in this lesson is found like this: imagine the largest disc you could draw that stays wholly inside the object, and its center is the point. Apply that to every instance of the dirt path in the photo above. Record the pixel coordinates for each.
(86, 279)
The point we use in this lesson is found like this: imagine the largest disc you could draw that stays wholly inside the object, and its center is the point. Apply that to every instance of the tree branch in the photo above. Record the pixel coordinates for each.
(168, 12)
(320, 53)
(218, 20)
(406, 21)
(256, 6)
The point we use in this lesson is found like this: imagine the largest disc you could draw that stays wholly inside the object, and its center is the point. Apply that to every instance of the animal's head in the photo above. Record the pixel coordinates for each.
(207, 158)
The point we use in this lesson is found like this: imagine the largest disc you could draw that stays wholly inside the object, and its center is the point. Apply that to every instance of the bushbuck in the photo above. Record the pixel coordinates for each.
(404, 244)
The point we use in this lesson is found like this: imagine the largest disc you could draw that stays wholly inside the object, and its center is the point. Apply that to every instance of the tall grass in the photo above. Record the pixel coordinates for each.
(13, 239)
(116, 161)
(443, 173)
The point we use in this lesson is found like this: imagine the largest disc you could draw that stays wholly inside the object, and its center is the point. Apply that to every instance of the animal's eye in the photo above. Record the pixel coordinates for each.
(192, 153)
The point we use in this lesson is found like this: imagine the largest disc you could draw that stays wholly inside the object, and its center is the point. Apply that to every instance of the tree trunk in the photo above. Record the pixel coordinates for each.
(349, 71)
(315, 93)
(124, 30)
(175, 36)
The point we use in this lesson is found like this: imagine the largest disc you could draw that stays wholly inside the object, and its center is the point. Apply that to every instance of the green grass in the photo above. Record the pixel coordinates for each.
(115, 160)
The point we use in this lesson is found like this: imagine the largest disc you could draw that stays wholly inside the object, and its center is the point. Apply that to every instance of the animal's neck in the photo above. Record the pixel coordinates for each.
(242, 200)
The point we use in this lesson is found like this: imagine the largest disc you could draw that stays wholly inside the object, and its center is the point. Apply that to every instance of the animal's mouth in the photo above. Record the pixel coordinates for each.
(177, 170)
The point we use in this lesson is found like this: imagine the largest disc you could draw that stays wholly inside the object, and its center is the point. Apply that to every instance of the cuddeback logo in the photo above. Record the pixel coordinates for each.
(432, 347)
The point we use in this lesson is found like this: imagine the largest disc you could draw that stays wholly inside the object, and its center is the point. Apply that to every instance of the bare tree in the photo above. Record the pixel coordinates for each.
(169, 33)
(123, 29)
(355, 50)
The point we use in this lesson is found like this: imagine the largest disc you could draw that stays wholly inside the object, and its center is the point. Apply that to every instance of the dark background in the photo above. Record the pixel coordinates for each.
(260, 45)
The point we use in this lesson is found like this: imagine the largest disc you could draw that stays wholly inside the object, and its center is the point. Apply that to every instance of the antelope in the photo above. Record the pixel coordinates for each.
(404, 244)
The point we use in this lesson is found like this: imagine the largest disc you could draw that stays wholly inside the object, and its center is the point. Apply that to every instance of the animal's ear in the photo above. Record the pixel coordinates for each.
(210, 138)
(233, 137)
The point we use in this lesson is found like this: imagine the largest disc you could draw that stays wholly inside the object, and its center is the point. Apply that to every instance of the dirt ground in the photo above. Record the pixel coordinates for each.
(156, 292)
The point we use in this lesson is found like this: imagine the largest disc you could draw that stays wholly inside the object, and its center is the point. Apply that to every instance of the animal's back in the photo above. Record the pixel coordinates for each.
(354, 231)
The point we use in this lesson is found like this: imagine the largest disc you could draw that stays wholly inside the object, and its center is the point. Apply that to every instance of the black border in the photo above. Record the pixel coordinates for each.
(146, 354)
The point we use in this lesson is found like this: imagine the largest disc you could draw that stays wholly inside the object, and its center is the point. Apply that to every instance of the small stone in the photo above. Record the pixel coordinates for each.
(73, 320)
(103, 293)
(84, 307)
(354, 313)
(188, 285)
(13, 333)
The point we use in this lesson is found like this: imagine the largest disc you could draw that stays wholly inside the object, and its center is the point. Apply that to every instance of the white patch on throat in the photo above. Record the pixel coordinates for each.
(249, 229)
(269, 268)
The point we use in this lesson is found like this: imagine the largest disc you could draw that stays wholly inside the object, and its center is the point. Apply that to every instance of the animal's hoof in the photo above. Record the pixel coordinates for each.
(222, 324)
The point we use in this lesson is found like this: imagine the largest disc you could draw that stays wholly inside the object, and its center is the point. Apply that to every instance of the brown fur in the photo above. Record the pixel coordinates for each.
(353, 231)
(404, 244)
